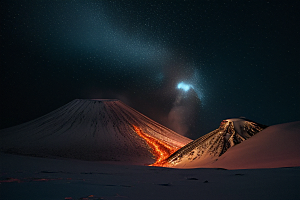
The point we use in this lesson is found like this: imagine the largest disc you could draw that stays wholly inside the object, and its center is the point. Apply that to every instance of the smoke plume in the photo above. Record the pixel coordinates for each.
(183, 113)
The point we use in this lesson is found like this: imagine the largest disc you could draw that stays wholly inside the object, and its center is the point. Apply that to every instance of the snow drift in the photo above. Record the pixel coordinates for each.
(92, 130)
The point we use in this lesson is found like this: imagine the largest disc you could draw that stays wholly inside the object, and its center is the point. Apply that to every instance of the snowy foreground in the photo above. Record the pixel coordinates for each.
(24, 177)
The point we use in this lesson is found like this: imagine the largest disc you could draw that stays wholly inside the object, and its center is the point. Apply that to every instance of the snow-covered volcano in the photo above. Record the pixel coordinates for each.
(274, 147)
(212, 145)
(93, 130)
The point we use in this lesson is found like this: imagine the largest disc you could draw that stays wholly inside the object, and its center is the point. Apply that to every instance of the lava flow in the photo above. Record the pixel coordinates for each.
(159, 149)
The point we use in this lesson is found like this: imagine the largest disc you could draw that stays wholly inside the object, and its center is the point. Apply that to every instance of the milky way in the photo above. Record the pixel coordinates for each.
(239, 58)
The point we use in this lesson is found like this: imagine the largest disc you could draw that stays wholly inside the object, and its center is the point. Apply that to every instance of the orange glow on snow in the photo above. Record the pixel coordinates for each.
(160, 149)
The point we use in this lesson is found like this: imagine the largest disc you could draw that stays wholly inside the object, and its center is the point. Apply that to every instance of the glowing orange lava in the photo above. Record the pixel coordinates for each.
(160, 150)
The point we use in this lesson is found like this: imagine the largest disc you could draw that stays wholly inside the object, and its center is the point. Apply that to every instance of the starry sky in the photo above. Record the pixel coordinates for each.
(186, 64)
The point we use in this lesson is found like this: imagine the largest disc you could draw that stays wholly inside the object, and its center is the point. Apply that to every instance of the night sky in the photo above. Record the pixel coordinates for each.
(186, 64)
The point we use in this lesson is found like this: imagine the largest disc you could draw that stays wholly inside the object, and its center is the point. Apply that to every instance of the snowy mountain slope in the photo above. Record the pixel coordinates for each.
(214, 144)
(91, 130)
(276, 146)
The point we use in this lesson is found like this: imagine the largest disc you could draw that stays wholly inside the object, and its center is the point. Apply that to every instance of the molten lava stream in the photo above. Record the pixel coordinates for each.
(160, 150)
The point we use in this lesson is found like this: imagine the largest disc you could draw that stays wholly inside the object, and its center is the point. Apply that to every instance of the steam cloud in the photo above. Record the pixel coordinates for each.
(183, 113)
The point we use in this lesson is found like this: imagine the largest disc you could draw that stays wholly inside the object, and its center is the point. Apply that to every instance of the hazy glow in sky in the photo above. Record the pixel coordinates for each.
(196, 86)
(184, 86)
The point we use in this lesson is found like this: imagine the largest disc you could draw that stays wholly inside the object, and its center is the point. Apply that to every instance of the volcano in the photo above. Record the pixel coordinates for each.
(100, 130)
(211, 146)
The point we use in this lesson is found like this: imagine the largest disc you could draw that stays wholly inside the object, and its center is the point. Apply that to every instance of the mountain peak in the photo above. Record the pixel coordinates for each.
(212, 145)
(93, 129)
(100, 99)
